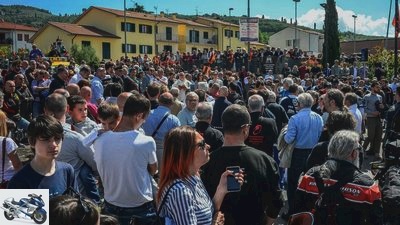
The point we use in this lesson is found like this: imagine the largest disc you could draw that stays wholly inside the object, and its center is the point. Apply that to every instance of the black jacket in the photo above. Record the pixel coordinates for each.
(212, 137)
(362, 202)
(263, 133)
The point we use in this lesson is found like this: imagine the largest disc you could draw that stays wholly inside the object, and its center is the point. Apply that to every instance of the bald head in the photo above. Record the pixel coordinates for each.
(121, 99)
(9, 86)
(73, 89)
(166, 99)
(56, 105)
(86, 93)
(63, 92)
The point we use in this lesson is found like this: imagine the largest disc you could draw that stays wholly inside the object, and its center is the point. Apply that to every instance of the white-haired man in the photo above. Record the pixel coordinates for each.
(304, 130)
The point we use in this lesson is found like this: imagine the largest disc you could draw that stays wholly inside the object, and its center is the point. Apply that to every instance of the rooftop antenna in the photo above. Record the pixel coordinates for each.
(197, 11)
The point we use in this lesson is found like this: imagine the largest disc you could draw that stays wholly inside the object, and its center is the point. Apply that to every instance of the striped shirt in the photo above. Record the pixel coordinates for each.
(187, 203)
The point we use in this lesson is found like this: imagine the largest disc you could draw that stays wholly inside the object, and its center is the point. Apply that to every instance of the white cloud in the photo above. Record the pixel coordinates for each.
(365, 24)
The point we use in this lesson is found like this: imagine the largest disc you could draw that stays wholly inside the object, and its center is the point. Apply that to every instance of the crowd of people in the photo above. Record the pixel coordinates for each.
(146, 137)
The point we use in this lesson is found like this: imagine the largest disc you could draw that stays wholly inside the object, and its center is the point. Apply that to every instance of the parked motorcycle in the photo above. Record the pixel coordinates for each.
(31, 207)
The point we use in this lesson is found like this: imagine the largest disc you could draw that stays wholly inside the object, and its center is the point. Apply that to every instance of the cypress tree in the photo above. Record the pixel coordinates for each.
(331, 47)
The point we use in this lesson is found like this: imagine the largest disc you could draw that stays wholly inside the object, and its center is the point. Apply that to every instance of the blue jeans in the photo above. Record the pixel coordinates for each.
(37, 109)
(143, 215)
(22, 124)
(88, 181)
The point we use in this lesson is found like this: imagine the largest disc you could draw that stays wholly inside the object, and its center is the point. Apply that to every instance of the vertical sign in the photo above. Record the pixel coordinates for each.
(248, 29)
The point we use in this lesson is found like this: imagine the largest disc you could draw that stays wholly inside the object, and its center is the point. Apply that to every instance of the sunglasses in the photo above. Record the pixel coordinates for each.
(82, 203)
(202, 144)
(246, 125)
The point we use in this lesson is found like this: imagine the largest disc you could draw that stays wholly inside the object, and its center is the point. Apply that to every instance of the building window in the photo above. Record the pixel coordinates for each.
(130, 48)
(147, 29)
(85, 43)
(26, 37)
(145, 49)
(168, 48)
(288, 43)
(168, 33)
(205, 35)
(237, 34)
(194, 36)
(228, 33)
(130, 27)
(19, 37)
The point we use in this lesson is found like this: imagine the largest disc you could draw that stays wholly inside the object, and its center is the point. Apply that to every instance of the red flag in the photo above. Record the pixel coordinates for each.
(395, 23)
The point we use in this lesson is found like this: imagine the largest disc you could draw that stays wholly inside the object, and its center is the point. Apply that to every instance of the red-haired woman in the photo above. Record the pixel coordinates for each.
(182, 197)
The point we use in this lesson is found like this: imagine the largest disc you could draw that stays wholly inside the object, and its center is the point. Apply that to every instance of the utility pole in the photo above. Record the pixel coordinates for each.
(295, 23)
(354, 35)
(396, 13)
(155, 32)
(230, 30)
(248, 43)
(125, 45)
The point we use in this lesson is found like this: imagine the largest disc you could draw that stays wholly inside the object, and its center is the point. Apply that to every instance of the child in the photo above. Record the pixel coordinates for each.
(45, 136)
(109, 117)
(78, 115)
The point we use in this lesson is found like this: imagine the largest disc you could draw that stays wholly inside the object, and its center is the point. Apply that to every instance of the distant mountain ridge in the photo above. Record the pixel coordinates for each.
(36, 17)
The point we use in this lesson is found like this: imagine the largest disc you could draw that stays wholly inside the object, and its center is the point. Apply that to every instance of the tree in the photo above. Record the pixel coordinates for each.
(331, 47)
(137, 8)
(86, 53)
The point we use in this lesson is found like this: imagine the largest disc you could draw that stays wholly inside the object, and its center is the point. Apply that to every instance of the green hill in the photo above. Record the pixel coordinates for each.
(36, 17)
(31, 16)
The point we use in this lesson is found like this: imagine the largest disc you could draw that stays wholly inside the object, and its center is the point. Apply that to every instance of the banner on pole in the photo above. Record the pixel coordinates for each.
(249, 29)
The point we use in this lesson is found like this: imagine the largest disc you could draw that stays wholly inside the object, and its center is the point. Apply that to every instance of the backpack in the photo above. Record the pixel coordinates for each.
(328, 200)
(390, 189)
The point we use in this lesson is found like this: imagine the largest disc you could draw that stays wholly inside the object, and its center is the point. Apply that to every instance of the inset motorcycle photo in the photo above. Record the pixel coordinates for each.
(24, 206)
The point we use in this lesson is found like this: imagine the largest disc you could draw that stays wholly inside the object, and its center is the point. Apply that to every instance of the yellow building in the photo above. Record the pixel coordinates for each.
(228, 33)
(104, 30)
(196, 36)
(140, 33)
(102, 41)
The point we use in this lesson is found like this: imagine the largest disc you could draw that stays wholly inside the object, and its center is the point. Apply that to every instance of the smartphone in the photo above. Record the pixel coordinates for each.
(233, 185)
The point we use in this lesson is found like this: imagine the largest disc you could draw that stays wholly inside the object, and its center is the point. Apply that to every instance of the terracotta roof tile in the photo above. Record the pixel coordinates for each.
(191, 22)
(82, 30)
(218, 21)
(137, 15)
(13, 26)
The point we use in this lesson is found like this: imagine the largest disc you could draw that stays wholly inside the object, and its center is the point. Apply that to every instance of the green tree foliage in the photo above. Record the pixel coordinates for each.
(331, 47)
(384, 56)
(86, 53)
(138, 8)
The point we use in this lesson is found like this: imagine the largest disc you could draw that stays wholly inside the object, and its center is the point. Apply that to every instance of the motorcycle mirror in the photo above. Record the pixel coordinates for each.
(30, 195)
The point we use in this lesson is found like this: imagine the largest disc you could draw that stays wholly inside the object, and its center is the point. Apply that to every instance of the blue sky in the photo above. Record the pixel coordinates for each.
(372, 14)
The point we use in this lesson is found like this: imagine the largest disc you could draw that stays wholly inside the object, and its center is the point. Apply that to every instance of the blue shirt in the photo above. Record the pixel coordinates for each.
(304, 129)
(97, 90)
(187, 117)
(57, 183)
(187, 203)
(155, 118)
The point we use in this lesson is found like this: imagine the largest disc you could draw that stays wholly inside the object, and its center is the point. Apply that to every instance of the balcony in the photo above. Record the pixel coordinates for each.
(7, 41)
(202, 42)
(166, 37)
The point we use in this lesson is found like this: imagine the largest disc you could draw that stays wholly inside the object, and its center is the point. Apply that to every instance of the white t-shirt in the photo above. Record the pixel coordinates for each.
(122, 159)
(8, 167)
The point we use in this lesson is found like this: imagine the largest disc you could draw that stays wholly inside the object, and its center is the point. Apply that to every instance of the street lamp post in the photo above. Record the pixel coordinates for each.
(155, 32)
(230, 29)
(354, 36)
(295, 23)
(125, 45)
(248, 43)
